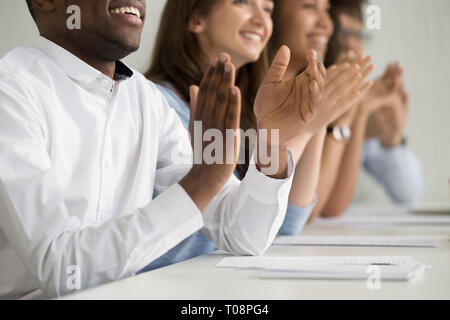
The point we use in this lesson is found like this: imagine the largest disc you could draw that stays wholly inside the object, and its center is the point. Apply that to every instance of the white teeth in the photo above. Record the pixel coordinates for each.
(129, 10)
(136, 12)
(320, 40)
(252, 36)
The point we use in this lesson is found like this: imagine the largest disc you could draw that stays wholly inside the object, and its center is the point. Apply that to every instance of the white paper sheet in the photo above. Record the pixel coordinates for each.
(347, 272)
(298, 262)
(370, 241)
(442, 207)
(406, 220)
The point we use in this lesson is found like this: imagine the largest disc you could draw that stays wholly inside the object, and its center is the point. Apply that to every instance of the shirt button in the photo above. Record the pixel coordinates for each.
(104, 83)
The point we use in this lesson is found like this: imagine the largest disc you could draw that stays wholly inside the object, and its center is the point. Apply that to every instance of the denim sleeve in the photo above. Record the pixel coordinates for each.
(180, 107)
(296, 218)
(396, 169)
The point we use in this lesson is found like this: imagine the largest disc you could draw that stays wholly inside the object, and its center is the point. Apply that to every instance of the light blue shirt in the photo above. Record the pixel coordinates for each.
(197, 244)
(396, 169)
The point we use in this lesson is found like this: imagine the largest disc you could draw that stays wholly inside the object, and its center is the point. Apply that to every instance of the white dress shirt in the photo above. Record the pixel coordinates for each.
(81, 156)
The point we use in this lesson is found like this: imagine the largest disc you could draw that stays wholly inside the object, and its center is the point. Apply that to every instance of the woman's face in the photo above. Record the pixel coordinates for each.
(305, 25)
(351, 37)
(240, 28)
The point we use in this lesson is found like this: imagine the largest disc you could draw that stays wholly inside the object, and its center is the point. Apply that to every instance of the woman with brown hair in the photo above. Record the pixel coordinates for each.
(382, 147)
(345, 146)
(191, 35)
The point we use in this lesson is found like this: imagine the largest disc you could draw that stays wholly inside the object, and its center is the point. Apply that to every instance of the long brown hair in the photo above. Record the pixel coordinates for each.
(178, 60)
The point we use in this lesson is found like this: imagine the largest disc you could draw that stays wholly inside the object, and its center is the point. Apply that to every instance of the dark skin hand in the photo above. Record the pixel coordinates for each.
(217, 104)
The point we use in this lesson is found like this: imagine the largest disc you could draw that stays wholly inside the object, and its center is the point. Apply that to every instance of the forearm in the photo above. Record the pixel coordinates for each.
(115, 249)
(333, 152)
(344, 187)
(245, 217)
(200, 188)
(271, 153)
(307, 173)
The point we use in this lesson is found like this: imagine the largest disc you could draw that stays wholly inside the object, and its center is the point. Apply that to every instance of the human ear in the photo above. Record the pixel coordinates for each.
(45, 5)
(197, 24)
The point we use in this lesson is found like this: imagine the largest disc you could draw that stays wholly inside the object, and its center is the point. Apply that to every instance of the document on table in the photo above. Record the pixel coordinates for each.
(347, 272)
(296, 262)
(329, 268)
(367, 241)
(442, 207)
(412, 220)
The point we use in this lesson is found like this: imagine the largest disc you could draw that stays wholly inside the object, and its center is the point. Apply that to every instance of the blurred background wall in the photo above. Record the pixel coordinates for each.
(414, 32)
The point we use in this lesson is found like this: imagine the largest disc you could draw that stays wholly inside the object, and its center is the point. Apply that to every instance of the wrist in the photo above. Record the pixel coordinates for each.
(201, 187)
(270, 159)
(393, 142)
(341, 134)
(368, 107)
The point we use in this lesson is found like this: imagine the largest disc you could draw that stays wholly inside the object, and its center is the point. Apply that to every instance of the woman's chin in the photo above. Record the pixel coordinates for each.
(250, 57)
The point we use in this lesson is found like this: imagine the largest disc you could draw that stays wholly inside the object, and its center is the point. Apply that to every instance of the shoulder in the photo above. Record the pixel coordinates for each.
(175, 102)
(19, 60)
(22, 66)
(22, 70)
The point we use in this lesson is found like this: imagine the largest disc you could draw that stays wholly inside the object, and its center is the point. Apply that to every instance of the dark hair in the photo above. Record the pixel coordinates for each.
(31, 8)
(353, 8)
(274, 42)
(178, 60)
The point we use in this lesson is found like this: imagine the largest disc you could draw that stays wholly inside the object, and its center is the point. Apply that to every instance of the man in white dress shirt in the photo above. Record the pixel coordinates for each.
(85, 143)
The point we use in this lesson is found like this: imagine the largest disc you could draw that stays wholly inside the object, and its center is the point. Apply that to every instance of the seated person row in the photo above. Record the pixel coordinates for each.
(195, 31)
(96, 170)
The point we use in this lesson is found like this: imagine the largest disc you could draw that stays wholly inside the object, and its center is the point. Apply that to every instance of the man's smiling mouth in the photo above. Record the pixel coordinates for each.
(127, 10)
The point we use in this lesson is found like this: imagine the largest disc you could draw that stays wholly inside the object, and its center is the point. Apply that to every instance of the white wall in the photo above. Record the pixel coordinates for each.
(415, 32)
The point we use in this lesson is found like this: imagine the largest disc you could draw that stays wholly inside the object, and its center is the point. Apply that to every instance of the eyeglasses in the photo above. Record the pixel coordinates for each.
(347, 33)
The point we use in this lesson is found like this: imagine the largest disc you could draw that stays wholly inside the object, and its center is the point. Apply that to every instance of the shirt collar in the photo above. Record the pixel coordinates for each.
(76, 68)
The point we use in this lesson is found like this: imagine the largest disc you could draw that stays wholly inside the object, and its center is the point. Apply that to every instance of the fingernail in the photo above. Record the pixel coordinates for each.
(316, 55)
(227, 68)
(223, 58)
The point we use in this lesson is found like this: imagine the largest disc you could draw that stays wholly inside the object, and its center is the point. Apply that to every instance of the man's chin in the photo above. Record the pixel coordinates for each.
(116, 49)
(112, 46)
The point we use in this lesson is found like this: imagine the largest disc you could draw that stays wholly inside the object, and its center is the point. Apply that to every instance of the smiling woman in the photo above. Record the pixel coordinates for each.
(193, 32)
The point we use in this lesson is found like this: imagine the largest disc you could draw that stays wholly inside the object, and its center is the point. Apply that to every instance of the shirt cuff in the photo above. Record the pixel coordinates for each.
(169, 222)
(265, 189)
(382, 150)
(296, 218)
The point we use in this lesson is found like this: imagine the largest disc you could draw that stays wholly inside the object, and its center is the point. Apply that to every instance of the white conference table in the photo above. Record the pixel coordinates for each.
(199, 279)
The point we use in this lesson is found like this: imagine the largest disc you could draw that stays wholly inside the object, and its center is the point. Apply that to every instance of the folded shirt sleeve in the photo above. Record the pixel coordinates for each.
(246, 216)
